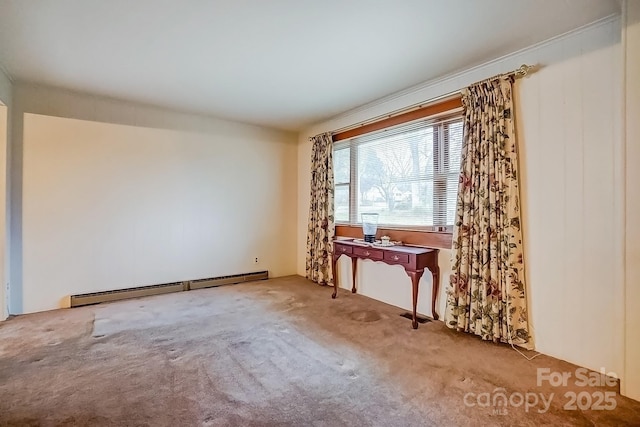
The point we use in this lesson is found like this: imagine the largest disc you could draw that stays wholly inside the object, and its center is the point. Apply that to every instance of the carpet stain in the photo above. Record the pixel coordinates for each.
(297, 304)
(352, 375)
(365, 316)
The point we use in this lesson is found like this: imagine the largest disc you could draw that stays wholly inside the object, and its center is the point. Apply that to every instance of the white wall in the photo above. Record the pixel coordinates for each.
(131, 195)
(569, 116)
(632, 298)
(5, 111)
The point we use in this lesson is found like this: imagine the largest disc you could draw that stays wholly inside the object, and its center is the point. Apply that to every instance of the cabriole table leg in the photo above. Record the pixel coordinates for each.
(335, 276)
(435, 275)
(354, 265)
(415, 280)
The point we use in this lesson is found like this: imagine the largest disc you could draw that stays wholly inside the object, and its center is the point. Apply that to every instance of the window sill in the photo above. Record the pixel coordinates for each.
(431, 239)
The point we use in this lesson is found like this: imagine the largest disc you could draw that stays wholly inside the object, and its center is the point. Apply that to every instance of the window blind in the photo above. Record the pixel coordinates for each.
(407, 174)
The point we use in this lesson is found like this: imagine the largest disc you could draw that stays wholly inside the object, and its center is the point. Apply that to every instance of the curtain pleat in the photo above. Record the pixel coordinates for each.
(321, 229)
(486, 294)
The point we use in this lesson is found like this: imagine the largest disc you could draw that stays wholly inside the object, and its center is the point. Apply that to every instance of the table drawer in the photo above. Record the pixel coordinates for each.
(343, 249)
(398, 257)
(369, 253)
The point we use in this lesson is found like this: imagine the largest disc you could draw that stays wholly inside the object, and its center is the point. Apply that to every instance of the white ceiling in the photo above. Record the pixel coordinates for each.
(280, 63)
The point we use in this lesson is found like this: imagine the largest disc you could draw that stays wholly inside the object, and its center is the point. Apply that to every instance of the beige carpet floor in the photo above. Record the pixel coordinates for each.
(272, 353)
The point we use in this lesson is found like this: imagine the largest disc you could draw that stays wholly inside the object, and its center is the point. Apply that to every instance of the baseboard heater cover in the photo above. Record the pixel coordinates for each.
(120, 294)
(144, 291)
(228, 280)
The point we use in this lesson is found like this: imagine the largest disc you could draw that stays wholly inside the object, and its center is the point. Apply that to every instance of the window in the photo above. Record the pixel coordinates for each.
(408, 174)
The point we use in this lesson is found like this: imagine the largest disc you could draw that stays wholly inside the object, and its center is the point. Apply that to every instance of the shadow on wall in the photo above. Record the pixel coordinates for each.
(4, 137)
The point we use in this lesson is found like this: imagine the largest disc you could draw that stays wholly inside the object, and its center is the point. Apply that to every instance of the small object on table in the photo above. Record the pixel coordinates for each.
(385, 241)
(369, 226)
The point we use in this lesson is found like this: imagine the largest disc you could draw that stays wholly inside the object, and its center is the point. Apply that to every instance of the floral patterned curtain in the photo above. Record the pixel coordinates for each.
(321, 227)
(486, 294)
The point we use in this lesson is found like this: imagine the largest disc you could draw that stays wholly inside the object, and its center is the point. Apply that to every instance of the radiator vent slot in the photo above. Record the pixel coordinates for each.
(228, 280)
(144, 291)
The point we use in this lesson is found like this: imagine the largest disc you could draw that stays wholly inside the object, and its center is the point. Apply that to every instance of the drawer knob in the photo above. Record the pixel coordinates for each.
(396, 257)
(367, 253)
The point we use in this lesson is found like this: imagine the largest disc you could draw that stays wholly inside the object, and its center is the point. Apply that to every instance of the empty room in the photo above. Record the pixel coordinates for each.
(327, 213)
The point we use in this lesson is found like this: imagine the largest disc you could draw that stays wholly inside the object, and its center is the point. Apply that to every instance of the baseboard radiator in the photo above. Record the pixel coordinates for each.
(228, 280)
(144, 291)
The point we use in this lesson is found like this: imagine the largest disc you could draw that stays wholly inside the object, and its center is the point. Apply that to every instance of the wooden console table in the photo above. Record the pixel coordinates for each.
(413, 259)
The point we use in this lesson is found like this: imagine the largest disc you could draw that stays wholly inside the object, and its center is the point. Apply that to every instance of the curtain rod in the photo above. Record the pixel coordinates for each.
(519, 72)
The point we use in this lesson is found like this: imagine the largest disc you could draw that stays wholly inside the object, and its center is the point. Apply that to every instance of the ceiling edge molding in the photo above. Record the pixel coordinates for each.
(461, 72)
